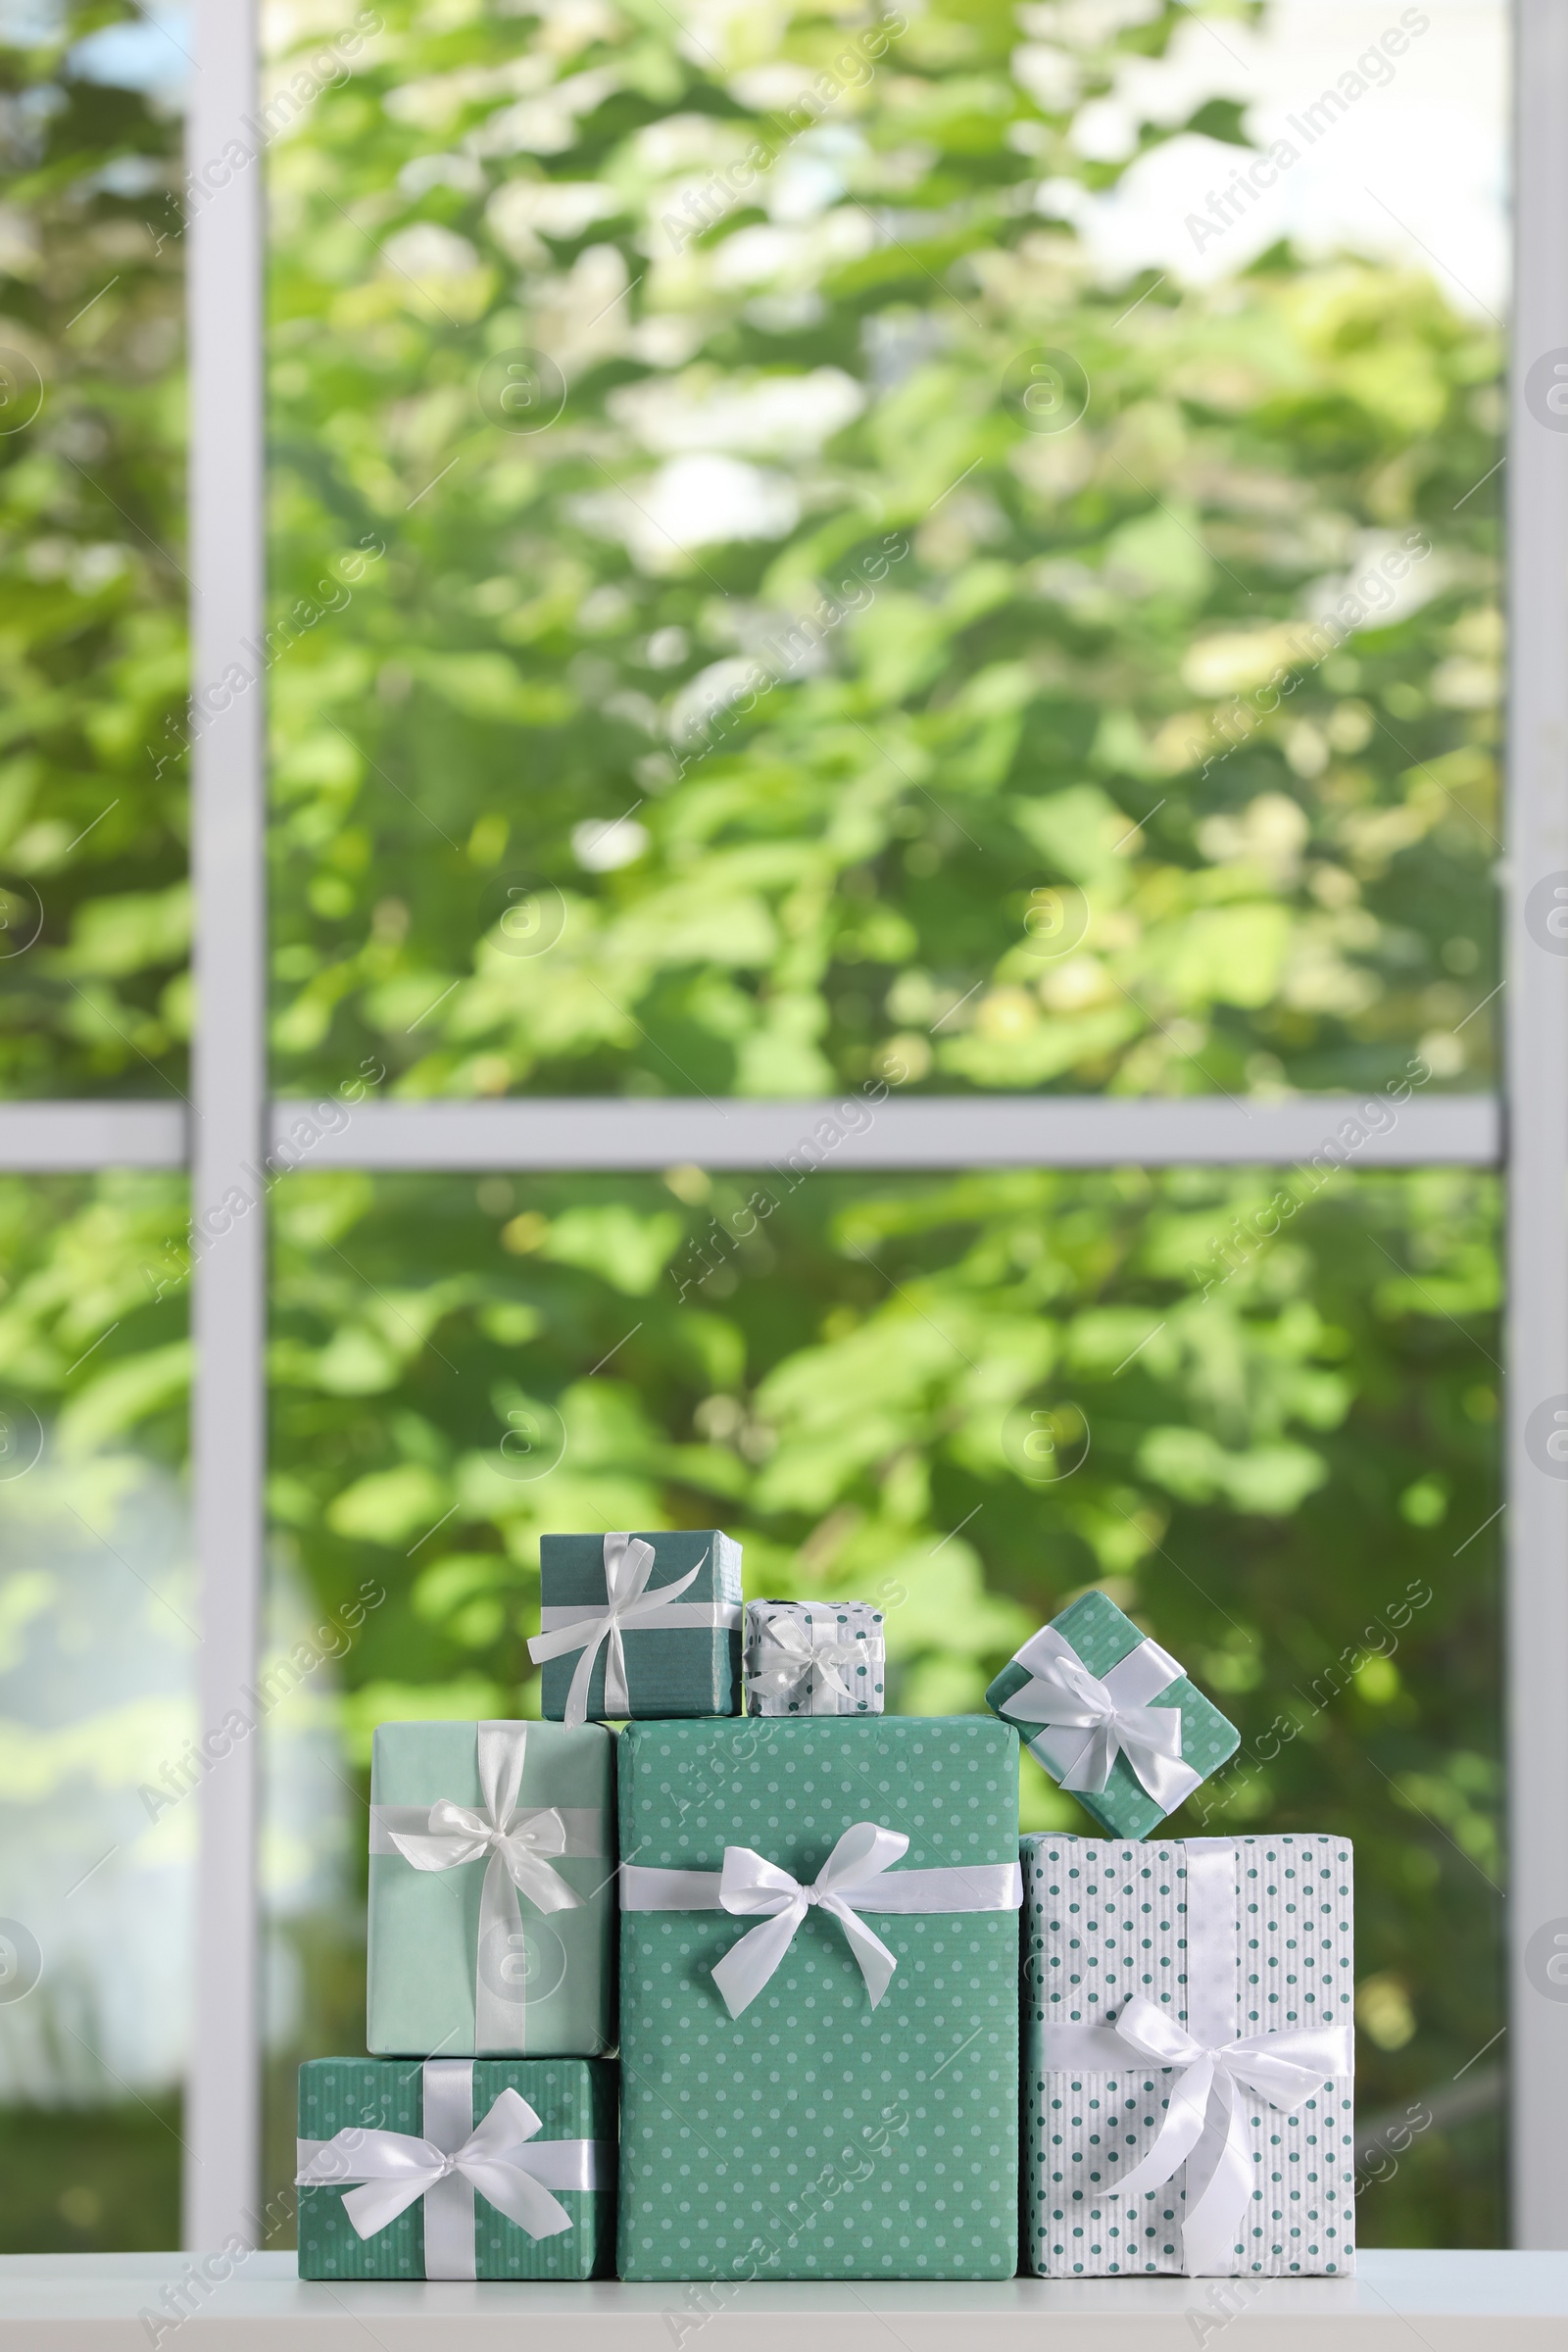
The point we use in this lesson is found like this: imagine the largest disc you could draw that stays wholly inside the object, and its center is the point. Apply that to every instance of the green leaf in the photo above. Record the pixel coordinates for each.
(389, 1505)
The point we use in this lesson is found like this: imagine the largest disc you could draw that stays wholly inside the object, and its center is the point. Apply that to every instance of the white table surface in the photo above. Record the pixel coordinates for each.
(1399, 2302)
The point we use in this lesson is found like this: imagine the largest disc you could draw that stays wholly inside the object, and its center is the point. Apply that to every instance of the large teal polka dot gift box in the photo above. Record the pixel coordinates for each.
(818, 1999)
(1189, 2056)
(1111, 1716)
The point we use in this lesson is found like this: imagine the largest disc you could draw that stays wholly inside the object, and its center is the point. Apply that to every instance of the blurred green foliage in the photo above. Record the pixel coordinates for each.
(94, 913)
(981, 833)
(101, 2182)
(986, 825)
(526, 833)
(1290, 1476)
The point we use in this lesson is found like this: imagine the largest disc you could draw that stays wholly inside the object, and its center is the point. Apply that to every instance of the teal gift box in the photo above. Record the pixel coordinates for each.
(492, 1892)
(1111, 1716)
(377, 2200)
(822, 2081)
(642, 1625)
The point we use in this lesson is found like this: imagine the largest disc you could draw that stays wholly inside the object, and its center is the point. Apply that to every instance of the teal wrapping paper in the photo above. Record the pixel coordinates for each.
(574, 2100)
(1103, 1638)
(441, 1963)
(814, 2136)
(672, 1668)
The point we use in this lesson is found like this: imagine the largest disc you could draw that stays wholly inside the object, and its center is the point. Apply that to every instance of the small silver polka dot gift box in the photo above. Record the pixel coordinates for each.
(813, 1657)
(1188, 2057)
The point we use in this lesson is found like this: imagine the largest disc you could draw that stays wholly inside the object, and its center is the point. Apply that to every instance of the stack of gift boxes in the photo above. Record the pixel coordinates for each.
(734, 1996)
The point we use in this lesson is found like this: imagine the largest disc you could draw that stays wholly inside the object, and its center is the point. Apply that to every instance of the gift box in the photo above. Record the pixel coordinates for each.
(819, 1999)
(531, 2193)
(643, 1626)
(1189, 2057)
(1111, 1716)
(813, 1657)
(492, 1896)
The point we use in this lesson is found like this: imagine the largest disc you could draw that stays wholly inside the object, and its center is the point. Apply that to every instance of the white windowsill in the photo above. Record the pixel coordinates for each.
(1399, 2302)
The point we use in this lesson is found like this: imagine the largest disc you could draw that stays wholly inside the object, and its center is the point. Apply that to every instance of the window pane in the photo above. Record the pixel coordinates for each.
(94, 919)
(1260, 1411)
(98, 1719)
(97, 1666)
(962, 547)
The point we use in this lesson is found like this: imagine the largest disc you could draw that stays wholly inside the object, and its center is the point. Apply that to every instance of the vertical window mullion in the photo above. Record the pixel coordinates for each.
(1537, 1016)
(229, 1082)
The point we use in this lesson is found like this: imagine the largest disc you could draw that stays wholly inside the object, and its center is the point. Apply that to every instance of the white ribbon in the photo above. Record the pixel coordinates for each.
(802, 1657)
(629, 1564)
(447, 2165)
(522, 1845)
(1206, 2124)
(850, 1880)
(1089, 1720)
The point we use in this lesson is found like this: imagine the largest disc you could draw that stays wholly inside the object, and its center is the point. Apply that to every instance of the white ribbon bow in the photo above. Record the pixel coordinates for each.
(629, 1564)
(1205, 2122)
(520, 1851)
(750, 1886)
(800, 1657)
(1113, 1715)
(396, 2168)
(855, 1877)
(520, 1860)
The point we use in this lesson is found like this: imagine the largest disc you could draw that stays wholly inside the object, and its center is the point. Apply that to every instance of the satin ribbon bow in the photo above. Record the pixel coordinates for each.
(629, 1564)
(801, 1657)
(1061, 1695)
(520, 1852)
(750, 1886)
(397, 2168)
(1205, 2122)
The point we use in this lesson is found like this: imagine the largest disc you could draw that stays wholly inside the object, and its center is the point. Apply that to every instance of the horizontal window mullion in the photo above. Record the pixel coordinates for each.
(928, 1131)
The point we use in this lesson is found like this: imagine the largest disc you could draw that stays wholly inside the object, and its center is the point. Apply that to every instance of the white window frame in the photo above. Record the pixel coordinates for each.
(233, 1121)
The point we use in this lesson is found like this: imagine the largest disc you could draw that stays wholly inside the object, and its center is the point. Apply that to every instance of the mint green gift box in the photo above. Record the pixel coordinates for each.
(574, 2102)
(815, 2135)
(461, 1960)
(1103, 1638)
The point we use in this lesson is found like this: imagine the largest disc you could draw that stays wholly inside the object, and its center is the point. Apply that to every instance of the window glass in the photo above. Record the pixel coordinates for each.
(1257, 1410)
(94, 913)
(957, 542)
(97, 1665)
(102, 1750)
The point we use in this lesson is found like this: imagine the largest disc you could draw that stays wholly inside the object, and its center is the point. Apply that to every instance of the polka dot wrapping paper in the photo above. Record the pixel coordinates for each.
(1106, 1923)
(574, 2099)
(1103, 1637)
(815, 2136)
(813, 1657)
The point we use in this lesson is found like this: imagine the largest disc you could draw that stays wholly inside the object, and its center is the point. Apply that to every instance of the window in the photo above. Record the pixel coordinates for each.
(97, 1594)
(864, 651)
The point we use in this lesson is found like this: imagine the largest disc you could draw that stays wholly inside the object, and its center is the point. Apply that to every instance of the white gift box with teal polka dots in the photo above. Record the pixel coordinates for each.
(813, 1657)
(1267, 1951)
